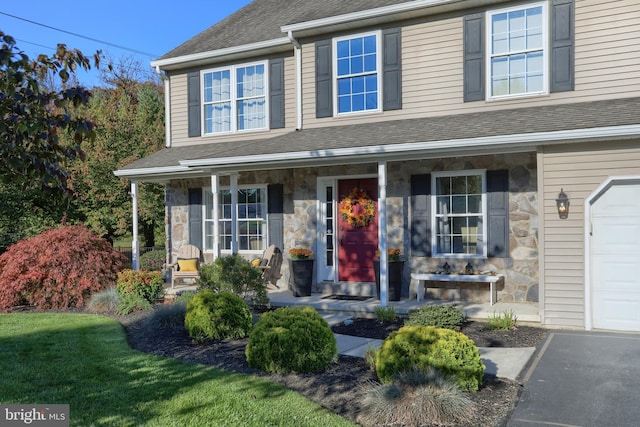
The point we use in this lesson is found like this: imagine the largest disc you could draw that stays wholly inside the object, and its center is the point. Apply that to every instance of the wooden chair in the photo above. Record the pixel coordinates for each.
(271, 264)
(187, 265)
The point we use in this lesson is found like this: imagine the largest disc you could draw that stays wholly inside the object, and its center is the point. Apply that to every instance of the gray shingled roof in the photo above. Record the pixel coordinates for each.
(261, 20)
(618, 112)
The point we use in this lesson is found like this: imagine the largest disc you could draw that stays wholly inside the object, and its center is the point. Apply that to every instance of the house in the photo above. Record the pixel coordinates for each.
(463, 122)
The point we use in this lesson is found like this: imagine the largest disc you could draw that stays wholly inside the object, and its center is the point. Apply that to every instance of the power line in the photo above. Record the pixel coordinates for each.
(81, 36)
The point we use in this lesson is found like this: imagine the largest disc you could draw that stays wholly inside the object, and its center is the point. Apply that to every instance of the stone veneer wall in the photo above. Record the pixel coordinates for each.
(300, 215)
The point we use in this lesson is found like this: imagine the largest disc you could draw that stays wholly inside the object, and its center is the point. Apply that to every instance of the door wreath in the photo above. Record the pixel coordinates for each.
(357, 209)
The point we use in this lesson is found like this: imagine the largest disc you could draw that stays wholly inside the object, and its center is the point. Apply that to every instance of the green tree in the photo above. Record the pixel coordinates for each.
(129, 118)
(33, 118)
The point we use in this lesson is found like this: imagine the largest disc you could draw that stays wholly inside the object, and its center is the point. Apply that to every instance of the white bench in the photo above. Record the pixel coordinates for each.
(423, 278)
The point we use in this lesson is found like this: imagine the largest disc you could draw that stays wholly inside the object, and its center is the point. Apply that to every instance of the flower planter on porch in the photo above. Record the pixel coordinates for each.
(302, 275)
(394, 271)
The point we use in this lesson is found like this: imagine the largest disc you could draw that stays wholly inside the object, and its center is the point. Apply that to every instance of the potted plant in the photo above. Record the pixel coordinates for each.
(395, 266)
(301, 267)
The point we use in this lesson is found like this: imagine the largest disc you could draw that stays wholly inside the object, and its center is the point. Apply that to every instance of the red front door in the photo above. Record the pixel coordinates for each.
(358, 240)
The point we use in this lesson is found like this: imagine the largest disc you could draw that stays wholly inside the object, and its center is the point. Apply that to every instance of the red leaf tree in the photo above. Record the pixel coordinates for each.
(57, 269)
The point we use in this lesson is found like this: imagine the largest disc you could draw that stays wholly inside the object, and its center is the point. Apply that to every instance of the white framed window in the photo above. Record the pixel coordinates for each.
(251, 218)
(235, 98)
(357, 73)
(459, 211)
(517, 52)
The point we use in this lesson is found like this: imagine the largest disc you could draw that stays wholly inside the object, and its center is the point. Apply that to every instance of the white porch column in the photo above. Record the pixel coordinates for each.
(233, 178)
(215, 215)
(135, 250)
(382, 233)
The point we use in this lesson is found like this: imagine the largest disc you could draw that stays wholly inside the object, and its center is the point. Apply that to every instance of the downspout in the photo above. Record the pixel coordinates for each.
(167, 105)
(298, 57)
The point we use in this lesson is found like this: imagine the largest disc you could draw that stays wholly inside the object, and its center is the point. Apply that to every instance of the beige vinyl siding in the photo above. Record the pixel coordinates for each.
(578, 170)
(179, 104)
(607, 65)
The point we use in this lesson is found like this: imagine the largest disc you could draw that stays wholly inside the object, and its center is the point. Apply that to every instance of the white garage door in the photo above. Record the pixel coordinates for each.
(615, 260)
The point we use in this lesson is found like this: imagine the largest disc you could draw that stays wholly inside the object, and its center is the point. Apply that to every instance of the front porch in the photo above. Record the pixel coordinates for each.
(526, 312)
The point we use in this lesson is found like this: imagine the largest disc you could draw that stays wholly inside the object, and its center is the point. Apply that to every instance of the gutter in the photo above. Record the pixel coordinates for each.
(370, 13)
(242, 50)
(298, 56)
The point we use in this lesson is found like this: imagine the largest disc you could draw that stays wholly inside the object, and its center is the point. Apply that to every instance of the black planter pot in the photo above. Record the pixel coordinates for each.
(395, 278)
(302, 274)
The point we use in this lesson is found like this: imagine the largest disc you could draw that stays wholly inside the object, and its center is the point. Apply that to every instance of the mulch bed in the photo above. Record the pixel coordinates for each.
(340, 387)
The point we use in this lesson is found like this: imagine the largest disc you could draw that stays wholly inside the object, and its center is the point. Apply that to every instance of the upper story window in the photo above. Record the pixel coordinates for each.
(459, 213)
(517, 52)
(357, 73)
(235, 98)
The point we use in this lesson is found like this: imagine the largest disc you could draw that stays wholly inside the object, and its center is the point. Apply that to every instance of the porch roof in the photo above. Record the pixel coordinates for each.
(500, 131)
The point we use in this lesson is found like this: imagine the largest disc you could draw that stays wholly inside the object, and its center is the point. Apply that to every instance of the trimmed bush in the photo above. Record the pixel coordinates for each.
(104, 301)
(440, 316)
(132, 302)
(416, 398)
(236, 275)
(146, 284)
(153, 260)
(57, 269)
(427, 347)
(291, 339)
(217, 316)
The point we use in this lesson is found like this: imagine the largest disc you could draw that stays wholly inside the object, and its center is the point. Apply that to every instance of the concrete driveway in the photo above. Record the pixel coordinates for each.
(582, 379)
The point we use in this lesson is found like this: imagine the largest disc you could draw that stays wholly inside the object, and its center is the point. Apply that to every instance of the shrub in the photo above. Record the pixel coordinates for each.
(387, 314)
(291, 339)
(57, 269)
(217, 316)
(104, 301)
(146, 284)
(505, 320)
(416, 398)
(184, 297)
(370, 357)
(426, 347)
(440, 316)
(153, 260)
(236, 275)
(132, 302)
(167, 316)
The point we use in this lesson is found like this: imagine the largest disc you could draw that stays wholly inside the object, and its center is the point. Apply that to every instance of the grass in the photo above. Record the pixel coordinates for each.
(503, 321)
(83, 360)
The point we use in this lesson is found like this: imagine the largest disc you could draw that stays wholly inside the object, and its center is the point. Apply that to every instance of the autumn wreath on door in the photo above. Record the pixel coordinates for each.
(357, 209)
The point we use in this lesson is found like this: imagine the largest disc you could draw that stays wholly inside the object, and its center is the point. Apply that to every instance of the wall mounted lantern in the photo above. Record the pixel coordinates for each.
(563, 205)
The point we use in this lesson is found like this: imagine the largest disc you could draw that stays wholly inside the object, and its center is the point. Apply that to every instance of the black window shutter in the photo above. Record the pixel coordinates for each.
(195, 217)
(193, 100)
(275, 214)
(324, 79)
(421, 215)
(562, 45)
(391, 69)
(474, 64)
(498, 214)
(276, 93)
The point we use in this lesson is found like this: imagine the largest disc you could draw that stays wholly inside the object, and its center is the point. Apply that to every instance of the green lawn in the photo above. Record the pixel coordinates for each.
(84, 361)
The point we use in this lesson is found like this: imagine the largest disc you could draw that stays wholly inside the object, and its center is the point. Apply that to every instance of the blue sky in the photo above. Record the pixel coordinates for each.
(152, 28)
